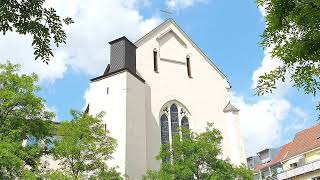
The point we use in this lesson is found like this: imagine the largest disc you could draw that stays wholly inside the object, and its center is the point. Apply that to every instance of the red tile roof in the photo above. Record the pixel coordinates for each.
(305, 140)
(282, 153)
(280, 156)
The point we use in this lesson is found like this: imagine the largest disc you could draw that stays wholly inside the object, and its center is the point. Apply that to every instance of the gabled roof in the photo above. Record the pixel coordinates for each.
(168, 21)
(305, 140)
(280, 156)
(230, 108)
(282, 153)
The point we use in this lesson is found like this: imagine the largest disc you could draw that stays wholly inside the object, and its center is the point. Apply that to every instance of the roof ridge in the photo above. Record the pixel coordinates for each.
(191, 42)
(304, 141)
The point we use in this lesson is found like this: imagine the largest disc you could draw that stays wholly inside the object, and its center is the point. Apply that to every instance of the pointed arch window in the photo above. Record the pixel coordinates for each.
(185, 125)
(174, 115)
(185, 122)
(165, 134)
(164, 129)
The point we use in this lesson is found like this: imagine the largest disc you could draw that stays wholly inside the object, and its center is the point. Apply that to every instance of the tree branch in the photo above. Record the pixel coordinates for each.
(8, 110)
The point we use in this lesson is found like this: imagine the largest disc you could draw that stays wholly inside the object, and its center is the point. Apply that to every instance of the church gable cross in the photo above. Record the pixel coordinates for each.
(166, 13)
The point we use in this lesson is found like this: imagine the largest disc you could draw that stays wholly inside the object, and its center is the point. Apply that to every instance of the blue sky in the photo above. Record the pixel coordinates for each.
(228, 32)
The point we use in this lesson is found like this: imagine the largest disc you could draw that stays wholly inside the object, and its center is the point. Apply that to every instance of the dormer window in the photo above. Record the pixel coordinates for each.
(188, 66)
(155, 60)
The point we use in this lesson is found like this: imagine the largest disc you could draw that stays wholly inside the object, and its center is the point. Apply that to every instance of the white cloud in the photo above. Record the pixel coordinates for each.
(17, 49)
(267, 120)
(97, 24)
(298, 121)
(268, 63)
(87, 49)
(263, 122)
(181, 4)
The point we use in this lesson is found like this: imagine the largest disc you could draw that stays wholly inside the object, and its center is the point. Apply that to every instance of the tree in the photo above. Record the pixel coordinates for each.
(196, 156)
(293, 34)
(22, 116)
(31, 17)
(84, 147)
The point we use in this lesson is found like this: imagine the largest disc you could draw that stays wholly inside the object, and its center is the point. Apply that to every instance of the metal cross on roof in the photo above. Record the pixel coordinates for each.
(166, 13)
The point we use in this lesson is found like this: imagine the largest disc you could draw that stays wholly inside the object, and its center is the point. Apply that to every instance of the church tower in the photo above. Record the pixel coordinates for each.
(152, 87)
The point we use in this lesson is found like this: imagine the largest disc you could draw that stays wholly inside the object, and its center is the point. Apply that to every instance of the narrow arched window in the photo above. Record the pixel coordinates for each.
(185, 122)
(155, 60)
(185, 126)
(188, 66)
(164, 129)
(174, 120)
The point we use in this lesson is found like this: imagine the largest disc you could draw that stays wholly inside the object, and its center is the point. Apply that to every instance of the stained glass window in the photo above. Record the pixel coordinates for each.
(185, 125)
(185, 122)
(165, 134)
(164, 129)
(174, 120)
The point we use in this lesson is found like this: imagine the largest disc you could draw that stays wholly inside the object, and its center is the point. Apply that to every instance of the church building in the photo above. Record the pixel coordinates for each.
(155, 85)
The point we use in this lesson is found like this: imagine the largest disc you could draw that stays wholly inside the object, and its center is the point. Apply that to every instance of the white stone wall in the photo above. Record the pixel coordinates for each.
(136, 128)
(114, 105)
(133, 108)
(205, 94)
(125, 108)
(233, 140)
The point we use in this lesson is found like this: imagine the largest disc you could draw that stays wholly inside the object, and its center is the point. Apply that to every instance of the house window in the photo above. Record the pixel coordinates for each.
(188, 66)
(155, 60)
(174, 115)
(293, 165)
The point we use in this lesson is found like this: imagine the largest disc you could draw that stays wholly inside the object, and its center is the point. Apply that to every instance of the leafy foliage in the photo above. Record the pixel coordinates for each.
(293, 33)
(197, 157)
(31, 17)
(22, 116)
(11, 164)
(56, 175)
(22, 112)
(85, 146)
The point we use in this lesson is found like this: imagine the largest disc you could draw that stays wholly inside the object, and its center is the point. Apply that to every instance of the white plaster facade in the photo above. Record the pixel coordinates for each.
(133, 107)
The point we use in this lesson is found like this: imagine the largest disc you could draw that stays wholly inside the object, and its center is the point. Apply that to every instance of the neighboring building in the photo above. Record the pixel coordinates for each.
(253, 162)
(272, 167)
(297, 160)
(155, 85)
(264, 164)
(267, 155)
(303, 159)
